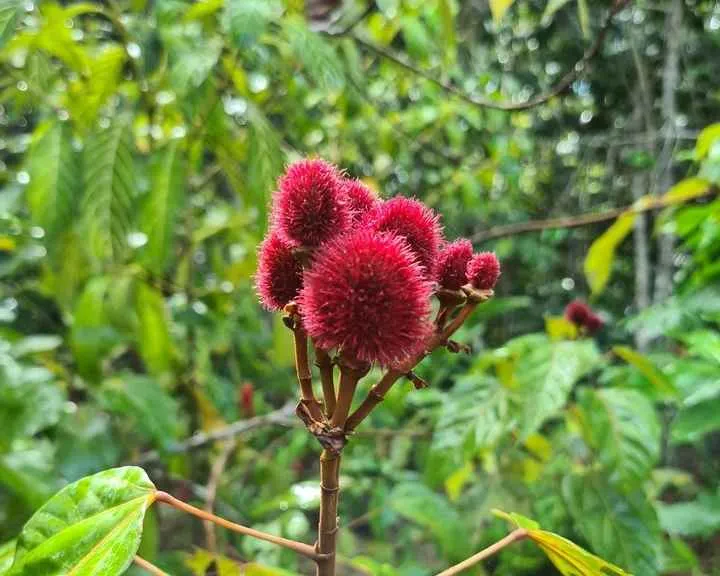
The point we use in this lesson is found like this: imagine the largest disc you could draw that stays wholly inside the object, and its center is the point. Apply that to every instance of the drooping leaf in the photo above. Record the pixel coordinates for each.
(55, 183)
(9, 10)
(420, 504)
(92, 526)
(499, 8)
(317, 56)
(646, 367)
(706, 139)
(600, 256)
(163, 205)
(622, 527)
(153, 334)
(245, 20)
(584, 18)
(622, 426)
(108, 204)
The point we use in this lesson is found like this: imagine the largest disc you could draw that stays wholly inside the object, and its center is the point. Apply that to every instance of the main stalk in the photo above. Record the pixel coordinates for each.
(328, 524)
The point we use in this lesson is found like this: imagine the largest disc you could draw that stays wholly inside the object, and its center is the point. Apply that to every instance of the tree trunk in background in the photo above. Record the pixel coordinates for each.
(670, 79)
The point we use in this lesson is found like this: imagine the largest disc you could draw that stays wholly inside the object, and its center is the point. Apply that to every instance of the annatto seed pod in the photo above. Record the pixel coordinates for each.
(452, 264)
(577, 312)
(367, 296)
(360, 198)
(310, 206)
(279, 275)
(483, 271)
(415, 222)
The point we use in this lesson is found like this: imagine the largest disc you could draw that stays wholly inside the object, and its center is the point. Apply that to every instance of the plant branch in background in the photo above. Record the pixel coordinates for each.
(514, 536)
(149, 567)
(561, 86)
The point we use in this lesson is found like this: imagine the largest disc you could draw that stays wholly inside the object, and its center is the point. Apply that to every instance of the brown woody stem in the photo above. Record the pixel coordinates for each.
(514, 536)
(324, 364)
(304, 376)
(349, 377)
(328, 524)
(299, 547)
(149, 567)
(374, 397)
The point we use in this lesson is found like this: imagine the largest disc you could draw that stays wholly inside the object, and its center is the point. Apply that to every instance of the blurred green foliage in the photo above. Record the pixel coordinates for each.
(140, 142)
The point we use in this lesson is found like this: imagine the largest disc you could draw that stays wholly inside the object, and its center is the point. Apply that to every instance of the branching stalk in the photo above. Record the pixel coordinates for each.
(304, 376)
(514, 536)
(298, 547)
(324, 364)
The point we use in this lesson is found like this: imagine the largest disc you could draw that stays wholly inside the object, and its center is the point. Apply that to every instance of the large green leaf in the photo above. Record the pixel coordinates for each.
(420, 504)
(109, 191)
(696, 418)
(27, 471)
(700, 517)
(55, 183)
(648, 369)
(90, 528)
(245, 20)
(153, 333)
(569, 558)
(9, 10)
(499, 8)
(620, 527)
(545, 374)
(622, 426)
(163, 204)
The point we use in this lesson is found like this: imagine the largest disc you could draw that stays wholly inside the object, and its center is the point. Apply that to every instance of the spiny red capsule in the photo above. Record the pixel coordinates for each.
(578, 312)
(366, 295)
(309, 207)
(593, 323)
(415, 222)
(360, 198)
(452, 264)
(279, 275)
(483, 270)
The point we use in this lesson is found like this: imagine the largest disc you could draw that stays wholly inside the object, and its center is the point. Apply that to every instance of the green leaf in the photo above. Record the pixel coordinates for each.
(569, 558)
(623, 427)
(706, 139)
(499, 8)
(545, 375)
(420, 504)
(620, 527)
(698, 518)
(550, 9)
(318, 58)
(584, 18)
(27, 471)
(600, 256)
(9, 11)
(150, 409)
(203, 9)
(265, 159)
(645, 366)
(163, 205)
(246, 20)
(92, 526)
(192, 64)
(7, 553)
(153, 334)
(109, 191)
(696, 419)
(55, 183)
(447, 22)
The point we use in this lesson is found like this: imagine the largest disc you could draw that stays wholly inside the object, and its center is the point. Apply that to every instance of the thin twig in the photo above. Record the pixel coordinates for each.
(514, 536)
(582, 219)
(149, 567)
(563, 84)
(277, 417)
(299, 547)
(216, 473)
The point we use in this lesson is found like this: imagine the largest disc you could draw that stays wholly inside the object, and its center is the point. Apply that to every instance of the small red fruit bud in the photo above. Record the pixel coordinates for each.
(360, 199)
(279, 274)
(577, 312)
(452, 264)
(246, 400)
(483, 271)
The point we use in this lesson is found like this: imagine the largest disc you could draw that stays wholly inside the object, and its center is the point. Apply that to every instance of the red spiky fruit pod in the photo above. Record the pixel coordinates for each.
(578, 312)
(360, 198)
(415, 222)
(593, 323)
(279, 275)
(452, 264)
(247, 404)
(483, 270)
(310, 207)
(367, 296)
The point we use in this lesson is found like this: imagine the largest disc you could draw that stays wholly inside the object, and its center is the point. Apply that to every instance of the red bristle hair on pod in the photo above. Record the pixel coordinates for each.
(577, 312)
(309, 207)
(360, 198)
(483, 270)
(367, 296)
(279, 275)
(452, 264)
(593, 323)
(415, 222)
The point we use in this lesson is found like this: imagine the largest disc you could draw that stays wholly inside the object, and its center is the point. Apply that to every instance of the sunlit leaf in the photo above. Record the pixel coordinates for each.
(601, 255)
(499, 7)
(7, 553)
(646, 367)
(92, 526)
(447, 20)
(560, 328)
(584, 17)
(621, 527)
(153, 333)
(706, 139)
(622, 426)
(9, 10)
(245, 20)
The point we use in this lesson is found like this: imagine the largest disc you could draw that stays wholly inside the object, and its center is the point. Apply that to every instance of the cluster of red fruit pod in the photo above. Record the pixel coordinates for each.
(361, 270)
(583, 317)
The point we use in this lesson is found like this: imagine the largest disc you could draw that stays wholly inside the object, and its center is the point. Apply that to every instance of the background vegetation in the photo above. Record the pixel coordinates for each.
(140, 143)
